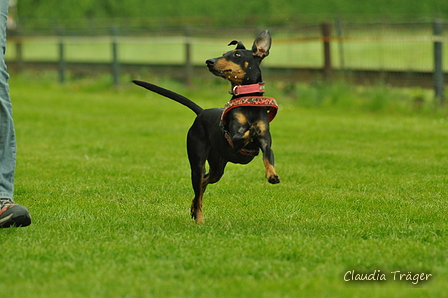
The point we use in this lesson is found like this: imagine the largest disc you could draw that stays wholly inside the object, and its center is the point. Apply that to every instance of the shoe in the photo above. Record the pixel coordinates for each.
(13, 214)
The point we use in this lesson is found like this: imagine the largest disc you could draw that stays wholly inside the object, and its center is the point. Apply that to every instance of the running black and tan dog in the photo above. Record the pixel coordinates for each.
(237, 132)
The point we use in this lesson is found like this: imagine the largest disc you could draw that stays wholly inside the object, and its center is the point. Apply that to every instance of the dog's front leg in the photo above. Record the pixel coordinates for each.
(268, 157)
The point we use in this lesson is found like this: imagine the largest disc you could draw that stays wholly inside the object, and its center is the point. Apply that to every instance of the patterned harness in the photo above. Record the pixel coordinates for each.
(259, 101)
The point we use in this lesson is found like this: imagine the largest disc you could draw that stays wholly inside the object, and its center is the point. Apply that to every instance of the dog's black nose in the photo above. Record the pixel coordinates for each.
(210, 62)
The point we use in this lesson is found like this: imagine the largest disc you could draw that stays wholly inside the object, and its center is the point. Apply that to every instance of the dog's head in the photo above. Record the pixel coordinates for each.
(242, 66)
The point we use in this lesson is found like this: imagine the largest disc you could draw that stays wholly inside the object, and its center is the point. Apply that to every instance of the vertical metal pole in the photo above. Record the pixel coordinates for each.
(326, 34)
(62, 64)
(115, 62)
(438, 62)
(188, 62)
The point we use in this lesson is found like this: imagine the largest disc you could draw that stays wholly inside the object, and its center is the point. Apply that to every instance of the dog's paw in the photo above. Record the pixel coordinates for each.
(274, 179)
(254, 131)
(199, 219)
(197, 215)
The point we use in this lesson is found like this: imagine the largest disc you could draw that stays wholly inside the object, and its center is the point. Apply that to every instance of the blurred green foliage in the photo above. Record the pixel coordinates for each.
(222, 12)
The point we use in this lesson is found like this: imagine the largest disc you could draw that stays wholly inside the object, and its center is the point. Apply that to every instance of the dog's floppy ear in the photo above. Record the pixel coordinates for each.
(239, 44)
(262, 44)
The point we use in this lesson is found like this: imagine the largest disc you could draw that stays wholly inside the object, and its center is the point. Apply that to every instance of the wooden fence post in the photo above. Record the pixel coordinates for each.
(62, 64)
(340, 45)
(19, 54)
(188, 62)
(326, 34)
(115, 62)
(438, 62)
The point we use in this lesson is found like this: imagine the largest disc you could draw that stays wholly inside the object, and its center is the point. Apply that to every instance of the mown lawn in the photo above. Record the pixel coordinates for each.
(106, 178)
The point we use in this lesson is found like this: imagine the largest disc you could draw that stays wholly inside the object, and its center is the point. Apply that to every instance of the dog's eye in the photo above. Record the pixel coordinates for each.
(236, 55)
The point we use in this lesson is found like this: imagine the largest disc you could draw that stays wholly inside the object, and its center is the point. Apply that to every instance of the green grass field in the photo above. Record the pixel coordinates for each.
(105, 175)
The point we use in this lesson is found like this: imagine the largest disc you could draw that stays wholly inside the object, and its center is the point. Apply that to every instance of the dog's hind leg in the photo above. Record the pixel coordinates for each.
(198, 150)
(217, 165)
(200, 181)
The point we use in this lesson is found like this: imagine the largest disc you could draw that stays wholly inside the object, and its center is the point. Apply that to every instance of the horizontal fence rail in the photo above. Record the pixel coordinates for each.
(295, 52)
(399, 54)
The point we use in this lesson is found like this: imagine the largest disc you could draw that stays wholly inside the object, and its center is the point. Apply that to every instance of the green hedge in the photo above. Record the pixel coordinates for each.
(220, 12)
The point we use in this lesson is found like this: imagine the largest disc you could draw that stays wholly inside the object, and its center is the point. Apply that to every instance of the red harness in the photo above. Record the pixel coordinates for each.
(261, 101)
(268, 102)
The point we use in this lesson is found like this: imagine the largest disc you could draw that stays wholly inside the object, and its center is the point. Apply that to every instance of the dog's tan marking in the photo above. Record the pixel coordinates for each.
(241, 118)
(230, 71)
(262, 125)
(247, 137)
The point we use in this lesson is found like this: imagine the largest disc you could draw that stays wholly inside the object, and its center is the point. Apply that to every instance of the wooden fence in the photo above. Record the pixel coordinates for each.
(399, 54)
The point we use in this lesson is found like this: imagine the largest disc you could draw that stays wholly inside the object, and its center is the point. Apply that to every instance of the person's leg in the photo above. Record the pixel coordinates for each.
(7, 136)
(10, 214)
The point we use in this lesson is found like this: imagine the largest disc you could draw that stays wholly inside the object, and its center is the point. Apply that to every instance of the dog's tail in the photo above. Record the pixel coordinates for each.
(170, 94)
